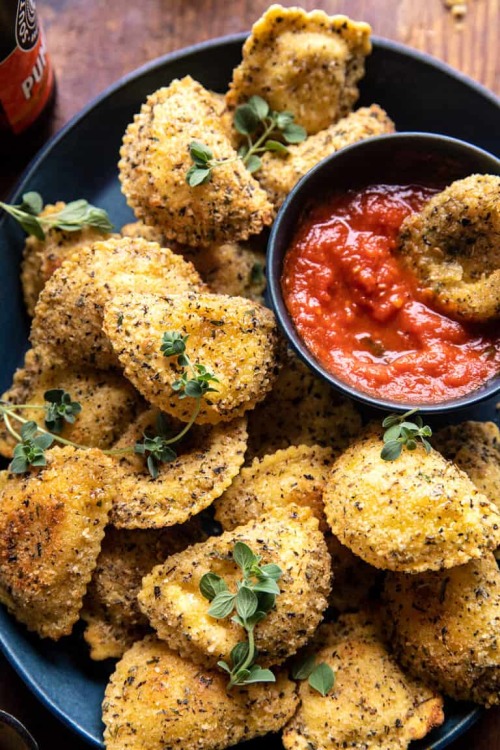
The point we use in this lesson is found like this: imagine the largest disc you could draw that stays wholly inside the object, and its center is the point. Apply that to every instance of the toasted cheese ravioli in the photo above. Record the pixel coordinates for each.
(109, 402)
(155, 160)
(208, 459)
(236, 339)
(305, 63)
(156, 700)
(68, 316)
(475, 448)
(453, 248)
(301, 409)
(444, 626)
(172, 600)
(42, 257)
(373, 705)
(417, 513)
(296, 475)
(279, 173)
(51, 525)
(110, 609)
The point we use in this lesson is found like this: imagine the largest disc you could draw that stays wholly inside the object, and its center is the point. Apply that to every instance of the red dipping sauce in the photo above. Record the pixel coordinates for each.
(361, 313)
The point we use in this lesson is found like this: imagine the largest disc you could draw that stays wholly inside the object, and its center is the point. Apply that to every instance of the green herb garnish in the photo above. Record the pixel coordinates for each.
(264, 130)
(401, 433)
(74, 216)
(255, 598)
(60, 409)
(320, 677)
(30, 451)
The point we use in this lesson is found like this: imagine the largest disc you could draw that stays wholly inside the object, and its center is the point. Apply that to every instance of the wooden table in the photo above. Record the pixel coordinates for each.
(94, 42)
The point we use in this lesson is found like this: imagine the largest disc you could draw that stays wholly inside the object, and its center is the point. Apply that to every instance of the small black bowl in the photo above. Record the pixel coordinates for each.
(389, 159)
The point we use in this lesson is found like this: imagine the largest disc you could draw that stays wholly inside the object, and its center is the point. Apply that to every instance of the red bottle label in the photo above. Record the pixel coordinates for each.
(26, 76)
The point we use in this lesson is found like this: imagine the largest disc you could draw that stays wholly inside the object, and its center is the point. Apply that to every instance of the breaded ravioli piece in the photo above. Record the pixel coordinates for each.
(42, 257)
(417, 513)
(475, 448)
(208, 459)
(445, 626)
(110, 608)
(68, 315)
(236, 339)
(453, 247)
(354, 582)
(109, 402)
(279, 173)
(308, 64)
(156, 700)
(373, 705)
(52, 522)
(155, 160)
(301, 409)
(296, 475)
(175, 607)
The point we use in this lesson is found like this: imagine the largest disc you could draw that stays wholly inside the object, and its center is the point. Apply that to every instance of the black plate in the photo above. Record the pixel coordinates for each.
(80, 162)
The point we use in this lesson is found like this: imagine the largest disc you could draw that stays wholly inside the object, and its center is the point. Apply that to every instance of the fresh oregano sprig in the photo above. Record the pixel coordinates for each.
(263, 129)
(320, 677)
(254, 599)
(30, 451)
(401, 433)
(72, 217)
(60, 408)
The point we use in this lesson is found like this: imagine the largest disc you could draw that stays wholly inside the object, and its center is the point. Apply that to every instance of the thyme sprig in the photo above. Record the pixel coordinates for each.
(72, 217)
(401, 433)
(264, 130)
(254, 599)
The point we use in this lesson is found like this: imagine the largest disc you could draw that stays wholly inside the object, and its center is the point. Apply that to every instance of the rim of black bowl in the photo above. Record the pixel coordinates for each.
(295, 202)
(20, 729)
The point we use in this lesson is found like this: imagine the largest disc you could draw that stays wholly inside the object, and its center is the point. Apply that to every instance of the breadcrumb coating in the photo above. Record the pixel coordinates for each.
(373, 705)
(294, 476)
(171, 598)
(155, 160)
(279, 174)
(156, 700)
(444, 627)
(51, 525)
(453, 247)
(68, 315)
(301, 409)
(475, 448)
(42, 257)
(305, 63)
(417, 513)
(236, 339)
(110, 609)
(207, 461)
(109, 402)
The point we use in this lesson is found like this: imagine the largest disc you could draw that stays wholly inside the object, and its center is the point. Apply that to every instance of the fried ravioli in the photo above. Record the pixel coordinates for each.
(207, 461)
(296, 475)
(417, 513)
(444, 627)
(308, 64)
(172, 600)
(109, 402)
(236, 339)
(279, 174)
(156, 700)
(51, 526)
(373, 704)
(155, 160)
(68, 315)
(453, 247)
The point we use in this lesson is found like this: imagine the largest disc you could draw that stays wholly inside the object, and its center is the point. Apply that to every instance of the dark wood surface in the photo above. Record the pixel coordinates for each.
(94, 42)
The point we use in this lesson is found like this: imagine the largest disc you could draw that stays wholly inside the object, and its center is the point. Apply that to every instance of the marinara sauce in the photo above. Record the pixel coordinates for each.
(361, 313)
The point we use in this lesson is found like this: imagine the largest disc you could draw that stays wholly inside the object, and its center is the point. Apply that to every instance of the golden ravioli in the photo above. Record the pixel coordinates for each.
(51, 525)
(417, 513)
(207, 461)
(305, 63)
(157, 700)
(236, 339)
